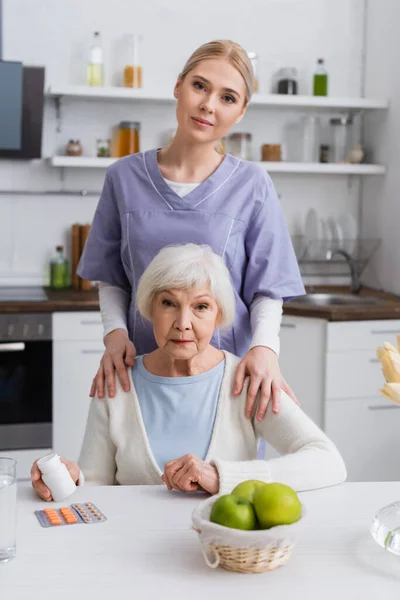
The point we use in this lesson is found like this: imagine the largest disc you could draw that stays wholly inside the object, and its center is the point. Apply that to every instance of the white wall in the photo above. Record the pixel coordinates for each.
(381, 198)
(56, 33)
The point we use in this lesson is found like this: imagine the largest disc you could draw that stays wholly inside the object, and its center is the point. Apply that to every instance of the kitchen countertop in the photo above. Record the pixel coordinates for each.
(57, 301)
(147, 549)
(390, 309)
(76, 300)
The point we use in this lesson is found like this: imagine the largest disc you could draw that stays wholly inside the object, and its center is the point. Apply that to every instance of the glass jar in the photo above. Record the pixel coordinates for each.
(239, 144)
(287, 81)
(133, 70)
(103, 148)
(128, 139)
(254, 63)
(341, 133)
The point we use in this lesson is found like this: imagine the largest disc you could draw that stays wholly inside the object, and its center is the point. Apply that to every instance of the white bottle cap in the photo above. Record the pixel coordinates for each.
(49, 462)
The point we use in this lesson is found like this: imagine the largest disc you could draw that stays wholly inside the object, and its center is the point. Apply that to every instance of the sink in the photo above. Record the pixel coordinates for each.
(339, 300)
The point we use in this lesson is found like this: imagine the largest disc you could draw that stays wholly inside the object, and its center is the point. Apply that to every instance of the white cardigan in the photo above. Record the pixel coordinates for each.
(116, 449)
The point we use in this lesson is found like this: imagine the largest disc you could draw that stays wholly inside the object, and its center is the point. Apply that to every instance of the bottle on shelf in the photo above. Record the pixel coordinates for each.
(95, 72)
(59, 270)
(320, 87)
(133, 70)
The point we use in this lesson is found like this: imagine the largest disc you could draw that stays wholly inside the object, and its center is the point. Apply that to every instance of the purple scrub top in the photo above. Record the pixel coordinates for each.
(235, 211)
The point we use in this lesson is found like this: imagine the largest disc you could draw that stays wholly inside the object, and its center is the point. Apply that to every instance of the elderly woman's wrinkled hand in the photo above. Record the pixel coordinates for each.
(262, 365)
(119, 354)
(41, 488)
(190, 474)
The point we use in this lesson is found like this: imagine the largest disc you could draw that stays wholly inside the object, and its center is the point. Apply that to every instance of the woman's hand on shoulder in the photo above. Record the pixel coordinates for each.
(190, 474)
(38, 484)
(261, 364)
(119, 354)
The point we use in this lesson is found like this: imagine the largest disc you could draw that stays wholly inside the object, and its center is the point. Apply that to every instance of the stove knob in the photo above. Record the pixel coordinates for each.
(40, 329)
(10, 330)
(25, 330)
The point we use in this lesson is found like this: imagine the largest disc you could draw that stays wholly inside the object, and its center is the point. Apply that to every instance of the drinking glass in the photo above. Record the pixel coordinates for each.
(8, 508)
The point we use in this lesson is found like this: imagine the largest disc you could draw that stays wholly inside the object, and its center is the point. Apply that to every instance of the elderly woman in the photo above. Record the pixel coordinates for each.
(179, 423)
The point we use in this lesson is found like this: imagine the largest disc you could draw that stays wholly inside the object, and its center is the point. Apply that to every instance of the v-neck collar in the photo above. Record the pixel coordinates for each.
(225, 392)
(203, 191)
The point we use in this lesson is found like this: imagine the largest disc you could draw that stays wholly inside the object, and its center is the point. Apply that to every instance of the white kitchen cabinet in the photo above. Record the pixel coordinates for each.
(364, 426)
(366, 432)
(77, 350)
(302, 362)
(333, 369)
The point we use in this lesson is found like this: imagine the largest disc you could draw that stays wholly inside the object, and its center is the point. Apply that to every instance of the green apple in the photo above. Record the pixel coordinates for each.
(276, 504)
(247, 488)
(232, 511)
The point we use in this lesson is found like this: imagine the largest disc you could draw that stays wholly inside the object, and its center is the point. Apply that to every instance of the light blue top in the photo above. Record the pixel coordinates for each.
(178, 412)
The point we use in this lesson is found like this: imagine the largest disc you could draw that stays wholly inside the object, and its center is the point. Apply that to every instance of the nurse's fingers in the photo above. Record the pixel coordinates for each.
(99, 381)
(254, 387)
(130, 354)
(239, 378)
(265, 397)
(122, 373)
(108, 366)
(275, 396)
(92, 389)
(286, 388)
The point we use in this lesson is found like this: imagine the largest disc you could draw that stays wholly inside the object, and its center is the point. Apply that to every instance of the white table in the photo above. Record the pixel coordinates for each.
(147, 550)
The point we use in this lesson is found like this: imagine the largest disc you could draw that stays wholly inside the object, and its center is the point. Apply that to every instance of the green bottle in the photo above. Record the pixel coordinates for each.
(59, 270)
(320, 79)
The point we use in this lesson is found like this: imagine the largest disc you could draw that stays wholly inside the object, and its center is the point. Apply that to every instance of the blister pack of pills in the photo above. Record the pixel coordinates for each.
(75, 514)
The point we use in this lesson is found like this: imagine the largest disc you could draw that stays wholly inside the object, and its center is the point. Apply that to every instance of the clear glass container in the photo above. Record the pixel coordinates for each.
(95, 73)
(8, 509)
(133, 73)
(385, 528)
(103, 148)
(341, 135)
(253, 56)
(302, 140)
(59, 270)
(239, 144)
(287, 81)
(128, 138)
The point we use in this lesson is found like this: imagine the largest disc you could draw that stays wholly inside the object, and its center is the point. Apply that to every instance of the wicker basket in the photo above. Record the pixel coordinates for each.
(243, 551)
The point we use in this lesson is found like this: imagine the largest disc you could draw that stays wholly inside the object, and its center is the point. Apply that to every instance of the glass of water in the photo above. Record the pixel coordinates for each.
(8, 508)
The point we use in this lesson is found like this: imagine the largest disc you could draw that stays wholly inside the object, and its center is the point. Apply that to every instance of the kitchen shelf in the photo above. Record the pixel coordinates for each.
(279, 100)
(323, 168)
(271, 167)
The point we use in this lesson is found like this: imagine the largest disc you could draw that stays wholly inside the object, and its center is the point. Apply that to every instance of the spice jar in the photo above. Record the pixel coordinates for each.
(103, 148)
(133, 70)
(239, 145)
(128, 139)
(287, 81)
(74, 148)
(271, 152)
(341, 137)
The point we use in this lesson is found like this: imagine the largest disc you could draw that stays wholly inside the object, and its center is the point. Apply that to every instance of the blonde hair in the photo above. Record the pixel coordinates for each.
(227, 50)
(187, 266)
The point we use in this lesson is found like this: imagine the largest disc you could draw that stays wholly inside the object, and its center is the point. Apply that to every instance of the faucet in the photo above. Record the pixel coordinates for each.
(355, 285)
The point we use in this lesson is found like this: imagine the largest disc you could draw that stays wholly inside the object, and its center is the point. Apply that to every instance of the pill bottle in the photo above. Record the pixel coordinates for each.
(56, 476)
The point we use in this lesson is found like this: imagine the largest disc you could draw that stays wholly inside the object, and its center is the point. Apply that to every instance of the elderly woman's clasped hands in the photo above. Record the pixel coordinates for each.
(191, 474)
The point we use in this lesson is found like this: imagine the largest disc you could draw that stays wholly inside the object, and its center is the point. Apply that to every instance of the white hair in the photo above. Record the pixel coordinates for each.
(183, 267)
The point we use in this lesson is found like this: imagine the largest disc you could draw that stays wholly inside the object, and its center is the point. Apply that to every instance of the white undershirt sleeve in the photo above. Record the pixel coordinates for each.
(265, 319)
(114, 306)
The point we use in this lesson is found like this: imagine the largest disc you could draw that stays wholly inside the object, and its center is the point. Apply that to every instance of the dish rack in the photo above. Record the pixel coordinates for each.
(332, 259)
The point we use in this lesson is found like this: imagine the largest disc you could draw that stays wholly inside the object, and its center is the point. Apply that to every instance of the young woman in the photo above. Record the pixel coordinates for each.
(188, 192)
(179, 423)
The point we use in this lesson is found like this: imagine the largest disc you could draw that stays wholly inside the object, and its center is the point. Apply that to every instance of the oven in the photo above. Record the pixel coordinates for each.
(25, 381)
